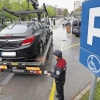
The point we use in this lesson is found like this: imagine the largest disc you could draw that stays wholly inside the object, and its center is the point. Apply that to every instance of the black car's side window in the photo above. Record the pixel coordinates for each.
(38, 26)
(35, 28)
(41, 26)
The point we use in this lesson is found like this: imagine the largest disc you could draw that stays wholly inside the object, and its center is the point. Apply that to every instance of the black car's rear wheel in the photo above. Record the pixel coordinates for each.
(41, 48)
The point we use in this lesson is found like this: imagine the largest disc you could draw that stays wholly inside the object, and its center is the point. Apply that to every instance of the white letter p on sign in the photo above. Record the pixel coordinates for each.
(94, 12)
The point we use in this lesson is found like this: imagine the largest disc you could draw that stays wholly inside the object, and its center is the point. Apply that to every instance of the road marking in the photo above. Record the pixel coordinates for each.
(8, 78)
(69, 47)
(53, 89)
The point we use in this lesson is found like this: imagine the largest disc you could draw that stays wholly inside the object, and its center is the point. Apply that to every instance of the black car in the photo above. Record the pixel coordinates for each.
(76, 27)
(23, 40)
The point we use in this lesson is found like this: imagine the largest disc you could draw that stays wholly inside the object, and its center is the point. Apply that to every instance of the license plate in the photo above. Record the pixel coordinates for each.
(18, 70)
(9, 54)
(14, 63)
(75, 29)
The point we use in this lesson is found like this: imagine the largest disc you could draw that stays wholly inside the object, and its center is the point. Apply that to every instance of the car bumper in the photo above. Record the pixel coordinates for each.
(18, 53)
(76, 32)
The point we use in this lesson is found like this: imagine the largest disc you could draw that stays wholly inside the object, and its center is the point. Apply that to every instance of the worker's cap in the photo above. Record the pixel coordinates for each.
(58, 53)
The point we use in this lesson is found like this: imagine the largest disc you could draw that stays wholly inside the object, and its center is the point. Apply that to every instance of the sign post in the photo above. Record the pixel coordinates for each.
(90, 40)
(93, 85)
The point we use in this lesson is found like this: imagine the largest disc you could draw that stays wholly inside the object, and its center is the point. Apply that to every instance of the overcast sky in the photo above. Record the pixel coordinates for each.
(69, 4)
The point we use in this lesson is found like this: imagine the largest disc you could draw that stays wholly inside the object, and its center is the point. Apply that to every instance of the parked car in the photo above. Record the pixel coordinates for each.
(76, 27)
(23, 40)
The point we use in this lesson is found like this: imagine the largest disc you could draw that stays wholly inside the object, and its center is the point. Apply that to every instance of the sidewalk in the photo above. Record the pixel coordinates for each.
(84, 95)
(77, 76)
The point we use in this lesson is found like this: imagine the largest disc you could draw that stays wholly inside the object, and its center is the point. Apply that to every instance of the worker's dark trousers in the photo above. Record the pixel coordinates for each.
(60, 90)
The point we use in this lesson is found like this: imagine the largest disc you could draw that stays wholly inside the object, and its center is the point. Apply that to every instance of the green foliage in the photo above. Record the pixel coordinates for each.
(16, 5)
(79, 9)
(65, 12)
(96, 95)
(51, 11)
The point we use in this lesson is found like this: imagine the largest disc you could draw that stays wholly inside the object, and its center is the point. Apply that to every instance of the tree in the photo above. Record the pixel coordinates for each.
(15, 5)
(51, 11)
(79, 9)
(7, 4)
(65, 12)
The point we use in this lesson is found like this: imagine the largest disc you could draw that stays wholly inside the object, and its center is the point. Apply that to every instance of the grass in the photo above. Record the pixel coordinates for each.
(96, 95)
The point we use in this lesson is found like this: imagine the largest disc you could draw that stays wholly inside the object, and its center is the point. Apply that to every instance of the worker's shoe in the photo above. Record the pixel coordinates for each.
(57, 96)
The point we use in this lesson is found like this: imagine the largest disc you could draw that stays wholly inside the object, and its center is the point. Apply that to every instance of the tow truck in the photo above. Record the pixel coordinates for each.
(33, 65)
(27, 66)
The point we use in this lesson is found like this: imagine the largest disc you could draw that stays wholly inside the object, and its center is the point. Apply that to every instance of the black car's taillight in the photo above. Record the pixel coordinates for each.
(28, 41)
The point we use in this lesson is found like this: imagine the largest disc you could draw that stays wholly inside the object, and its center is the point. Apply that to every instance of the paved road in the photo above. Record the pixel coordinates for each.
(37, 87)
(28, 87)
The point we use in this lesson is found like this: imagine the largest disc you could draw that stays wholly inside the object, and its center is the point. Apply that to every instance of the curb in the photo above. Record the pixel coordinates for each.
(52, 93)
(84, 91)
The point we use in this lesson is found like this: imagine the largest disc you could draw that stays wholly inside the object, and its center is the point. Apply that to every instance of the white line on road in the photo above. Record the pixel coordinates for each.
(7, 79)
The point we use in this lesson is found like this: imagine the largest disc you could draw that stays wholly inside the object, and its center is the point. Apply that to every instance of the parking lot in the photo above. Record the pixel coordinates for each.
(38, 87)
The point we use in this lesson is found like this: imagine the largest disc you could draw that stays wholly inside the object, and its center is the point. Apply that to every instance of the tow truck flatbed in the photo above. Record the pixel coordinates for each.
(33, 66)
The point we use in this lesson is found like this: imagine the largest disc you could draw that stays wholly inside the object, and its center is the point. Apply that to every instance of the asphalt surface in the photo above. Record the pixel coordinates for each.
(28, 87)
(38, 87)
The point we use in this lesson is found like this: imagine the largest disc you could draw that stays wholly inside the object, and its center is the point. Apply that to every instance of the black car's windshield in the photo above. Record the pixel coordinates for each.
(75, 23)
(14, 29)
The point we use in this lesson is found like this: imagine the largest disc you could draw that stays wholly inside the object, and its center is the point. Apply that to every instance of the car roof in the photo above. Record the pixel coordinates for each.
(76, 20)
(26, 23)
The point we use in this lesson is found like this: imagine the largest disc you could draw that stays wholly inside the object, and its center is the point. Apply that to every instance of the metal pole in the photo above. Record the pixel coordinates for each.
(44, 19)
(93, 86)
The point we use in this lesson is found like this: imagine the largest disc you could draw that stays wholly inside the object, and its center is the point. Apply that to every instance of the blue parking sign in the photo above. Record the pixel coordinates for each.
(90, 36)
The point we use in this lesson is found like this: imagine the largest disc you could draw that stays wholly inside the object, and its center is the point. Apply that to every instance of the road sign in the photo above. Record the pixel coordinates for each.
(90, 36)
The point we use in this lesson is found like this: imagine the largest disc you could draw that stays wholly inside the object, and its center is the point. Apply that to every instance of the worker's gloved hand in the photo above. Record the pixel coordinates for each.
(48, 74)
